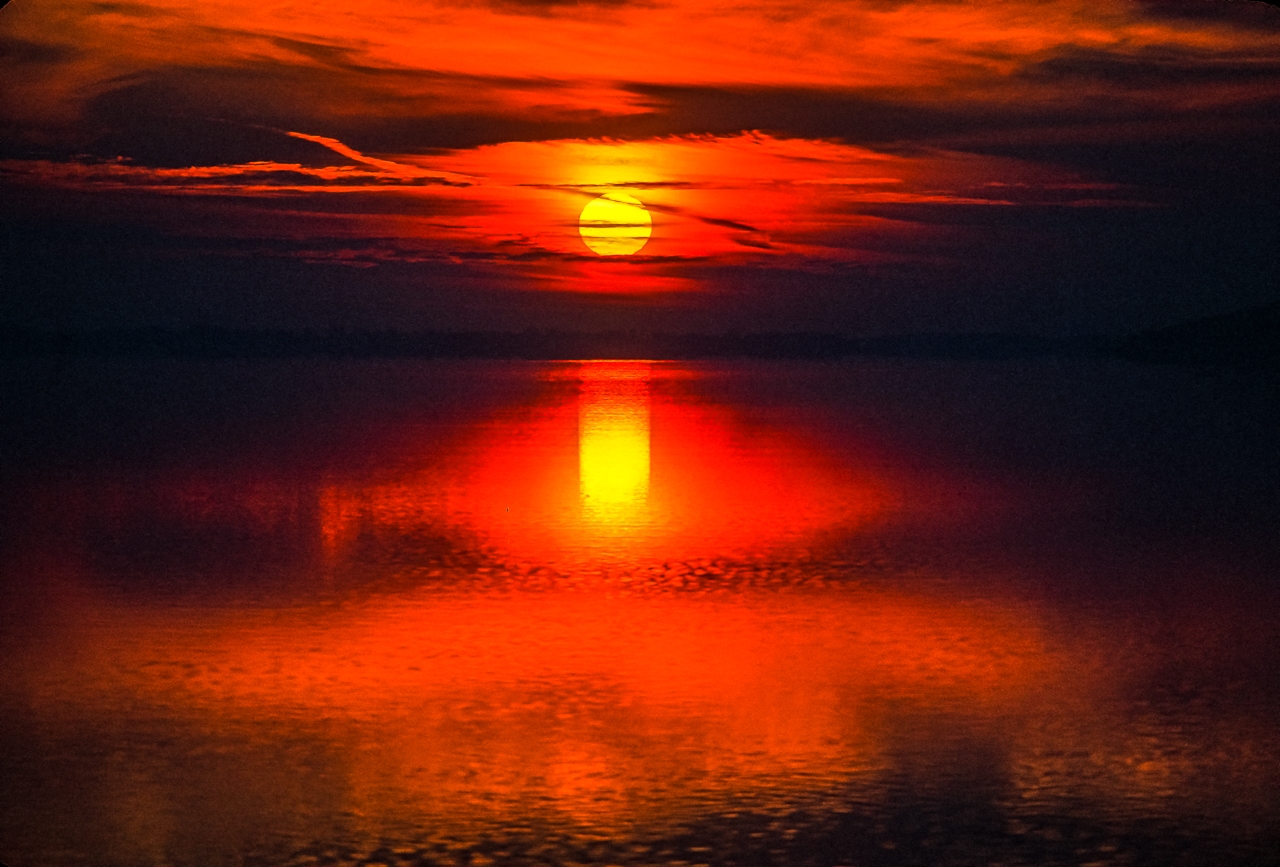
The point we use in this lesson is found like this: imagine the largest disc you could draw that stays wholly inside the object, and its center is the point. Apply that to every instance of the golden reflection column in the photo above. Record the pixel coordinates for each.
(613, 442)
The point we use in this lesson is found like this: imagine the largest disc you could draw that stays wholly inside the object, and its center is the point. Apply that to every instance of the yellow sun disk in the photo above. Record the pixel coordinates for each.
(615, 225)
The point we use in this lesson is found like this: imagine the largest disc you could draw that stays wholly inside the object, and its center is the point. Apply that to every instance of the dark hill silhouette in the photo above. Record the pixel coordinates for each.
(208, 342)
(1248, 337)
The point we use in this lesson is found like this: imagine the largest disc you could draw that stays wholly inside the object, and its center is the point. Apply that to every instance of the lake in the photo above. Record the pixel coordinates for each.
(617, 612)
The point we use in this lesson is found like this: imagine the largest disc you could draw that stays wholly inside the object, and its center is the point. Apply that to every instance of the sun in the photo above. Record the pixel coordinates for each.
(615, 225)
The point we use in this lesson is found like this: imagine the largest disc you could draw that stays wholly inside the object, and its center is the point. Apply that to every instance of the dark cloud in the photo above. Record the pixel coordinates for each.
(585, 189)
(1204, 151)
(728, 224)
(327, 54)
(1154, 67)
(193, 116)
(554, 7)
(1243, 14)
(15, 52)
(377, 200)
(1157, 253)
(281, 177)
(178, 141)
(179, 118)
(1212, 161)
(225, 115)
(855, 116)
(133, 10)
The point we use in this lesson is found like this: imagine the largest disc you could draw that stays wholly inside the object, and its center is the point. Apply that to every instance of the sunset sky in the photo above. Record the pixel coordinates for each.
(864, 166)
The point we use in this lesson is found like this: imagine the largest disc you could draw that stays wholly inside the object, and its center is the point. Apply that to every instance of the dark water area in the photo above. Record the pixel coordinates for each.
(477, 613)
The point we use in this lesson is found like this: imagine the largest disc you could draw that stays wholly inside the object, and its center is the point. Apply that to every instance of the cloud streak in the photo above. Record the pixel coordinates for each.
(390, 168)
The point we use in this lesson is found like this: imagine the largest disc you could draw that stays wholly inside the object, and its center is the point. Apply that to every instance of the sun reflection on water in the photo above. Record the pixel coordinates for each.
(613, 443)
(613, 459)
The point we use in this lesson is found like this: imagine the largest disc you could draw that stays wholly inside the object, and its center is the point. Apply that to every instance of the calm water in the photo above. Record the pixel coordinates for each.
(638, 613)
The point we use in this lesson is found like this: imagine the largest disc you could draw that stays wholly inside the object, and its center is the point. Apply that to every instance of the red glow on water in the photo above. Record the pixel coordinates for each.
(620, 471)
(621, 632)
(593, 708)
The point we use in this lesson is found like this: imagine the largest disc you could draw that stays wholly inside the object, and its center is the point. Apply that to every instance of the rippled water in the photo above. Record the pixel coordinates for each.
(621, 612)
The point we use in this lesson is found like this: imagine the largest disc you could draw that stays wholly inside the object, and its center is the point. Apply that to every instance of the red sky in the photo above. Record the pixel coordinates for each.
(864, 166)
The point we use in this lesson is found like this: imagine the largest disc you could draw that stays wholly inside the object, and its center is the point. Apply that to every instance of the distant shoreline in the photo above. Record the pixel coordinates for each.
(530, 345)
(1250, 337)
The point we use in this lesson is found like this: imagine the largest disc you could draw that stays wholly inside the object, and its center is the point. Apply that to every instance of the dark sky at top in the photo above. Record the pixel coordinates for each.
(866, 166)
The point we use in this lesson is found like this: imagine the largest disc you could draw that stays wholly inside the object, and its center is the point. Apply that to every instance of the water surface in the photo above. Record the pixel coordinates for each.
(638, 612)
